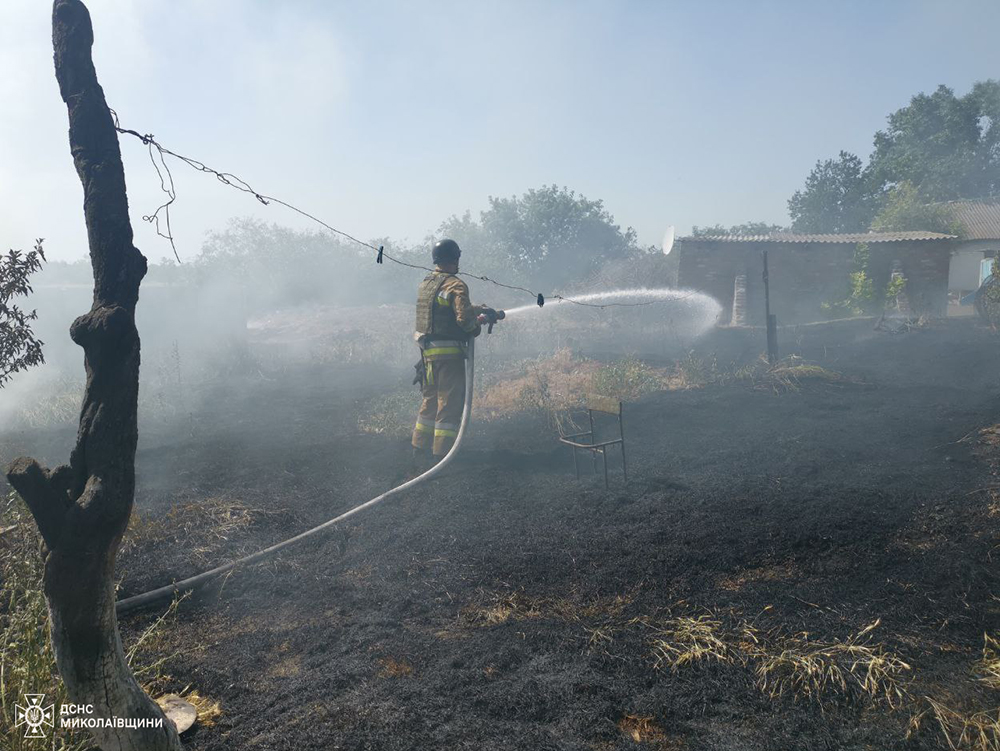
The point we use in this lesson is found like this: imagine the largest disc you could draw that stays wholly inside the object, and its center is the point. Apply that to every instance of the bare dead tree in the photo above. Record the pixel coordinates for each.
(82, 509)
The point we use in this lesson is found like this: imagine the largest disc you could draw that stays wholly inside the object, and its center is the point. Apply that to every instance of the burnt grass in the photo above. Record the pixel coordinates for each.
(502, 605)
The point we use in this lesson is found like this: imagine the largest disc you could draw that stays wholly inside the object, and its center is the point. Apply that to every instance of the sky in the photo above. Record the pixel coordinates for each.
(386, 117)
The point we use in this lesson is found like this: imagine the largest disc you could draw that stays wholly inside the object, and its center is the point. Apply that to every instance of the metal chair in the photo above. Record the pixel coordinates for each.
(588, 440)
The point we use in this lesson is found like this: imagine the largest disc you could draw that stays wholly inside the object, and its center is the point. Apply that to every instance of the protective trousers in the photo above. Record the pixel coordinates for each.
(441, 410)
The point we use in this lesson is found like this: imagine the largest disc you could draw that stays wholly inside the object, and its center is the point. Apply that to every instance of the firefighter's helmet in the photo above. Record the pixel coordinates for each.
(446, 251)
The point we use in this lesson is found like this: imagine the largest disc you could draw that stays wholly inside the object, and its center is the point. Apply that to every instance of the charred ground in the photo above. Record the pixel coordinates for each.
(507, 605)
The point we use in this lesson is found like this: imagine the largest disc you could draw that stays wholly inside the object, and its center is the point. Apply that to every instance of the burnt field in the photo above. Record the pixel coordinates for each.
(799, 563)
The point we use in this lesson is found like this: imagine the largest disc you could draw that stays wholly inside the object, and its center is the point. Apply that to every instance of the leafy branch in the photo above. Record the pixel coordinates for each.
(19, 349)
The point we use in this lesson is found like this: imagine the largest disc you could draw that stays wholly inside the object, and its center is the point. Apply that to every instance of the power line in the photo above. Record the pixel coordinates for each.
(227, 178)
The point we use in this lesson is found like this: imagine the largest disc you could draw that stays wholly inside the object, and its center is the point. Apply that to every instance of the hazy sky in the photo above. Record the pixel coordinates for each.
(386, 117)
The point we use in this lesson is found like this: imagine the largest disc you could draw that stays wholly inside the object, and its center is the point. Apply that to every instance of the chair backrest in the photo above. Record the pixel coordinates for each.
(607, 404)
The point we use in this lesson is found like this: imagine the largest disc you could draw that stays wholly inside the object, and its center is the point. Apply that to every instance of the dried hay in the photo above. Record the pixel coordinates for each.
(691, 640)
(854, 669)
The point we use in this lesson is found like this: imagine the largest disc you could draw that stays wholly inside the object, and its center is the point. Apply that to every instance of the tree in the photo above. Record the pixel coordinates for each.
(82, 509)
(19, 349)
(945, 147)
(277, 267)
(948, 147)
(906, 209)
(737, 230)
(837, 197)
(546, 238)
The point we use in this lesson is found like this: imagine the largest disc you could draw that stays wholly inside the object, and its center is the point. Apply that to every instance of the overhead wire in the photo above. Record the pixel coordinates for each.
(228, 178)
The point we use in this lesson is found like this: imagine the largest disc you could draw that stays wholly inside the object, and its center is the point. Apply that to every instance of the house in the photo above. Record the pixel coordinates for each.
(972, 256)
(809, 272)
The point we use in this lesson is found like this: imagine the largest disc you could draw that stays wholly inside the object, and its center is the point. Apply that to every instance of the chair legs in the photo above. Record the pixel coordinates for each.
(603, 450)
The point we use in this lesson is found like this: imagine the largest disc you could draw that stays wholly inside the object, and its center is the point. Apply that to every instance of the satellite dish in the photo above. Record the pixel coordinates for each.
(668, 240)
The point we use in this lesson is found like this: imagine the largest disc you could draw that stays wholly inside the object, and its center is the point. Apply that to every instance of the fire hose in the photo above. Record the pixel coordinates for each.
(194, 582)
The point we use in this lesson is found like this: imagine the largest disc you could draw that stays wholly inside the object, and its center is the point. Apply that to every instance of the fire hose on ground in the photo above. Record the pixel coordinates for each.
(199, 580)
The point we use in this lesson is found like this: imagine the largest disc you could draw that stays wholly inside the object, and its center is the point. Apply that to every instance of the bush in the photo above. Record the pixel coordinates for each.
(19, 349)
(627, 379)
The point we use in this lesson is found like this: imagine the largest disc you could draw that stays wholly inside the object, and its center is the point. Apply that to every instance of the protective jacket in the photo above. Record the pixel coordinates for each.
(446, 318)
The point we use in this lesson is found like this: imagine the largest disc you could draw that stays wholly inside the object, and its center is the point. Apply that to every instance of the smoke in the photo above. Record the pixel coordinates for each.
(310, 322)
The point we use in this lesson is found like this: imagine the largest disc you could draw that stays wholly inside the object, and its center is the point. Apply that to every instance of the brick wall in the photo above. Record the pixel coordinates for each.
(805, 275)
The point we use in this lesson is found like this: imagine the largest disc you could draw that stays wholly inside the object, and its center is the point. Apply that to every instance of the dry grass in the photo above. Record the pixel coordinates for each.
(787, 375)
(393, 668)
(689, 640)
(201, 526)
(209, 710)
(853, 669)
(778, 572)
(500, 608)
(640, 728)
(988, 667)
(629, 379)
(856, 670)
(553, 385)
(391, 414)
(977, 731)
(561, 382)
(27, 663)
(550, 384)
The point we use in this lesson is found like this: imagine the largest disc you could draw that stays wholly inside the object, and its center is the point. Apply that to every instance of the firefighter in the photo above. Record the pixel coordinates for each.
(446, 321)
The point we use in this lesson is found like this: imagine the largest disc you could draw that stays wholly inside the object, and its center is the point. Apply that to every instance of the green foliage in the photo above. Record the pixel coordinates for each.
(19, 349)
(894, 288)
(948, 147)
(837, 197)
(943, 146)
(550, 236)
(906, 209)
(627, 379)
(747, 228)
(697, 371)
(862, 298)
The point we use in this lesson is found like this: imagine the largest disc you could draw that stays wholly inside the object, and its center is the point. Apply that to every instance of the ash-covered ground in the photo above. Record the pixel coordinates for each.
(507, 605)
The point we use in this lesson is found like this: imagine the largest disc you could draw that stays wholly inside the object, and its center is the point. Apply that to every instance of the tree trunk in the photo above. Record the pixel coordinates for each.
(82, 509)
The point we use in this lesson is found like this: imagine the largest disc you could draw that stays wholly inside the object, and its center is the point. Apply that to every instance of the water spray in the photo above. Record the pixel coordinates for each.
(614, 298)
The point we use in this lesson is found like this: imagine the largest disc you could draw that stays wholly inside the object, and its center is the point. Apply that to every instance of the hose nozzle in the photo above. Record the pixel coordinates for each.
(489, 316)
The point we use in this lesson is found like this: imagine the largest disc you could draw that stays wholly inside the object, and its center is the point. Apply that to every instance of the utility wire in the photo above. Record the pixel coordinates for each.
(159, 152)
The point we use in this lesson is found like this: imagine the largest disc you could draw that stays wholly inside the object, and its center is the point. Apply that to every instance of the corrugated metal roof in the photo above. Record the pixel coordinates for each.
(980, 219)
(792, 237)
